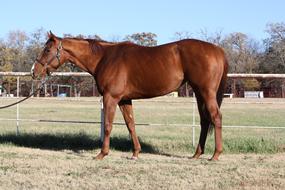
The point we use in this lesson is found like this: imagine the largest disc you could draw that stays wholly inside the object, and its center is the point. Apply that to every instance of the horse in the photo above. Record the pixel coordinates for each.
(125, 71)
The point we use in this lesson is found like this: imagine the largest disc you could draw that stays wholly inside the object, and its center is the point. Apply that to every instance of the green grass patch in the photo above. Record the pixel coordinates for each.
(161, 139)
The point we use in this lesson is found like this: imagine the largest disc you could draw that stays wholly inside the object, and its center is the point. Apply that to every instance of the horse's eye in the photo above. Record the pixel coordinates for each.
(47, 50)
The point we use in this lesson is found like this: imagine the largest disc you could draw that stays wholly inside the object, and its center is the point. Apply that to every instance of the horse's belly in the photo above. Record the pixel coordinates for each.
(156, 85)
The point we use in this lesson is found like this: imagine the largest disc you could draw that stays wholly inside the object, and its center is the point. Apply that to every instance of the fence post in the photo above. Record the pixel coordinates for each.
(193, 120)
(102, 133)
(45, 89)
(32, 88)
(94, 87)
(18, 111)
(57, 90)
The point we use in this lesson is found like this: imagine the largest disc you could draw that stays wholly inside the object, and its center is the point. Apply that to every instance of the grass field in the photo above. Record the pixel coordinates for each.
(60, 155)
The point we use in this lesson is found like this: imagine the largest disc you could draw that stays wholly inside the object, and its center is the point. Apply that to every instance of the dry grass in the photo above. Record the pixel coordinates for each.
(60, 156)
(25, 168)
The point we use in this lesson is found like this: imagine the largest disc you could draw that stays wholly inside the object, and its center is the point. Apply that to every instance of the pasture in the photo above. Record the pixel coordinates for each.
(60, 155)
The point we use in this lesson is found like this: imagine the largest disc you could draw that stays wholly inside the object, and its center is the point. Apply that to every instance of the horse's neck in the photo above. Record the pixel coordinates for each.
(80, 54)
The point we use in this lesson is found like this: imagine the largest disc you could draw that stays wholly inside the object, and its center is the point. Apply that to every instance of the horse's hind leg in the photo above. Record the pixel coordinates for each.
(204, 122)
(210, 99)
(127, 111)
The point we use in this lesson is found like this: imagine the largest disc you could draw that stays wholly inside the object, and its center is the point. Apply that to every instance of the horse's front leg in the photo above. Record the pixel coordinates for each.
(110, 105)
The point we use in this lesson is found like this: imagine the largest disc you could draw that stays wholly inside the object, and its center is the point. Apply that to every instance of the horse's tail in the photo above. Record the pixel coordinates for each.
(220, 92)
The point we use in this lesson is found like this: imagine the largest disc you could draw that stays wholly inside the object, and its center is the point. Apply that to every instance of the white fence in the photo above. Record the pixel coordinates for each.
(193, 125)
(230, 75)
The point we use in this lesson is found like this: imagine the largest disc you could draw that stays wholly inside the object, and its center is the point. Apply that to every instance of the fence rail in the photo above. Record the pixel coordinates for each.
(264, 76)
(84, 74)
(21, 74)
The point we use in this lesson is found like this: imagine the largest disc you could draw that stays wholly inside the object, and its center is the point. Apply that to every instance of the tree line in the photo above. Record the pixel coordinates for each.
(245, 54)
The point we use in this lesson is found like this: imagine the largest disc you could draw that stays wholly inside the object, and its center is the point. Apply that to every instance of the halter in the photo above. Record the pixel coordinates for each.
(57, 56)
(59, 48)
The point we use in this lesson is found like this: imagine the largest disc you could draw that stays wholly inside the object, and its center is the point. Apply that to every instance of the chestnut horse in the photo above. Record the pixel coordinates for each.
(126, 71)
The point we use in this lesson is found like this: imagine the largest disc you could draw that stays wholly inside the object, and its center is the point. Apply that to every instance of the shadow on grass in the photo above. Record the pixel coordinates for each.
(74, 142)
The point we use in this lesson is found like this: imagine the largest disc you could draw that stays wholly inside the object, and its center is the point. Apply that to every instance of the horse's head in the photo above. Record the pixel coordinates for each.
(51, 57)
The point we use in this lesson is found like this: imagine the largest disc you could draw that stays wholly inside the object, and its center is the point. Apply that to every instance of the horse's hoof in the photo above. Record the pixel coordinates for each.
(195, 157)
(99, 157)
(134, 158)
(213, 159)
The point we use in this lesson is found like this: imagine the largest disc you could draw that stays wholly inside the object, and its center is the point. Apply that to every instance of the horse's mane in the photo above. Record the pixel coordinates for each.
(98, 44)
(95, 45)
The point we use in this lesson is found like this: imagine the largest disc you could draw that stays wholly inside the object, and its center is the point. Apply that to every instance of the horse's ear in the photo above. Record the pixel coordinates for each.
(51, 35)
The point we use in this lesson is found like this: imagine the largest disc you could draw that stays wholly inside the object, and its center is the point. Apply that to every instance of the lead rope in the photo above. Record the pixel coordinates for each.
(30, 95)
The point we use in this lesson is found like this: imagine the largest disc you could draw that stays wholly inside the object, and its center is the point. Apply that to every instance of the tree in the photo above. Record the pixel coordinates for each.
(242, 52)
(215, 38)
(4, 57)
(182, 35)
(5, 65)
(144, 38)
(13, 56)
(17, 42)
(35, 45)
(274, 56)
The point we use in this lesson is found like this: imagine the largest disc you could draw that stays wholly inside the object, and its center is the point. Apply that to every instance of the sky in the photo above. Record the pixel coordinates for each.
(118, 18)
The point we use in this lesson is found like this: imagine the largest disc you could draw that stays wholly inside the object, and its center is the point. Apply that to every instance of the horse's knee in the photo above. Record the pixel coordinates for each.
(217, 121)
(216, 117)
(107, 129)
(130, 124)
